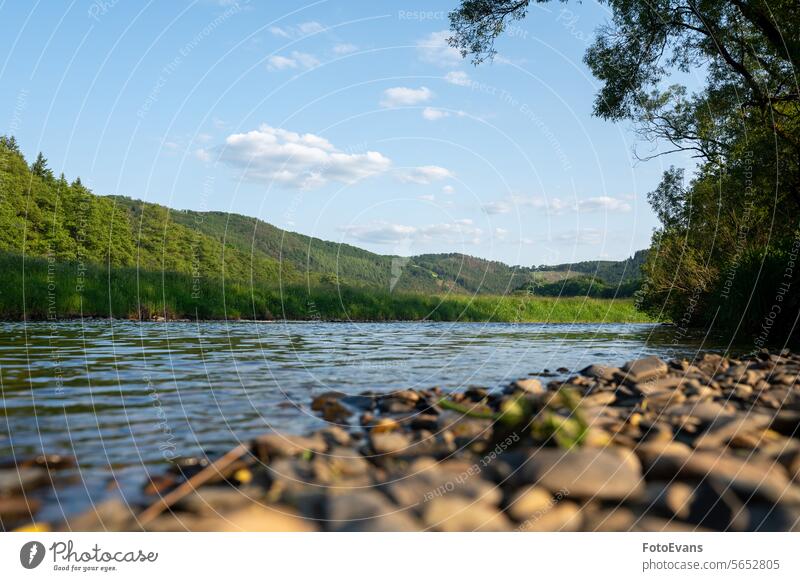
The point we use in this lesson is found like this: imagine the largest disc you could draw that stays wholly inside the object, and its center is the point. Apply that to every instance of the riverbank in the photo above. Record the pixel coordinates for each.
(40, 290)
(708, 444)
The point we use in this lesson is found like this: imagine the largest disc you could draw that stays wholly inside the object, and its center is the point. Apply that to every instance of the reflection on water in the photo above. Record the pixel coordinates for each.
(124, 398)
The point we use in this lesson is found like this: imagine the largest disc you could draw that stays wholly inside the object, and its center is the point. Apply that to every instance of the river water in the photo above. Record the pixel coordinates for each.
(126, 398)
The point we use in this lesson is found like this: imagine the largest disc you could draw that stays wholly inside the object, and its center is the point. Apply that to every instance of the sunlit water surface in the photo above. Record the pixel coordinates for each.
(124, 397)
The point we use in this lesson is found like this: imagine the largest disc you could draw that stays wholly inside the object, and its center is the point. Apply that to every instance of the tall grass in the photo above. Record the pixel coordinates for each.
(42, 289)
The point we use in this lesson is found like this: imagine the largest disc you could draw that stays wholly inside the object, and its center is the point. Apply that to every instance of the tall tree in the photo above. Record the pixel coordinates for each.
(40, 168)
(737, 215)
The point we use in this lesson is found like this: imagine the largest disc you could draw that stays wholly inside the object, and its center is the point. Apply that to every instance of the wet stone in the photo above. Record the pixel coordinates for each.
(644, 369)
(600, 372)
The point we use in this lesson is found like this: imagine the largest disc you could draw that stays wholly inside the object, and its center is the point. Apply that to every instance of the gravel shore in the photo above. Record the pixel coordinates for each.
(709, 444)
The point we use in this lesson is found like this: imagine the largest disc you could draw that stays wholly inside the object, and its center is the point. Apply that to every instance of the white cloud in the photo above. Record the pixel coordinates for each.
(283, 32)
(297, 60)
(499, 207)
(381, 232)
(434, 49)
(581, 236)
(459, 78)
(557, 205)
(302, 29)
(311, 27)
(279, 63)
(603, 203)
(432, 114)
(405, 96)
(424, 174)
(298, 160)
(427, 198)
(202, 154)
(448, 189)
(344, 48)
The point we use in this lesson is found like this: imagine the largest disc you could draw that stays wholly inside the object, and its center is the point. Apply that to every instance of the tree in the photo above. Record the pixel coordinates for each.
(10, 143)
(40, 168)
(736, 215)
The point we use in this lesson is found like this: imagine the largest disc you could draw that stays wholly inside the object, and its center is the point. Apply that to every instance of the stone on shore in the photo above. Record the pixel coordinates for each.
(596, 473)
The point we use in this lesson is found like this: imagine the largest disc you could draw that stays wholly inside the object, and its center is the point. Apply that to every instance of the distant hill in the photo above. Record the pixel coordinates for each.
(611, 271)
(46, 216)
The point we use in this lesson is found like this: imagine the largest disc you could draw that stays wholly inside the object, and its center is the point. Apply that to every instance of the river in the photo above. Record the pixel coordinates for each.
(125, 398)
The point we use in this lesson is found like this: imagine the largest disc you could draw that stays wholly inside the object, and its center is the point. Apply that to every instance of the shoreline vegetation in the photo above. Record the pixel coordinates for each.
(49, 290)
(709, 444)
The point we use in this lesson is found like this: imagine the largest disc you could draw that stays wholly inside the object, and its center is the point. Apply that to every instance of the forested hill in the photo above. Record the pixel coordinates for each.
(611, 271)
(47, 216)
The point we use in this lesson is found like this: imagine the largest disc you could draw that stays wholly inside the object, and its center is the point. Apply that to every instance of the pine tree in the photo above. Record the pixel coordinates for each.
(9, 142)
(39, 167)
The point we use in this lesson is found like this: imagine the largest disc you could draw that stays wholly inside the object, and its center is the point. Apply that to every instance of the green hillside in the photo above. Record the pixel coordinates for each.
(63, 223)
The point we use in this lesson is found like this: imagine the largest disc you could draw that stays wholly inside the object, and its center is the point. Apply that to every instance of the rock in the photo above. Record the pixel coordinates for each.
(672, 497)
(345, 463)
(389, 443)
(653, 524)
(251, 518)
(619, 519)
(529, 385)
(391, 405)
(600, 398)
(706, 412)
(597, 473)
(600, 372)
(335, 412)
(428, 422)
(562, 517)
(528, 501)
(360, 402)
(664, 384)
(455, 513)
(725, 428)
(426, 480)
(367, 511)
(275, 444)
(260, 518)
(110, 515)
(716, 507)
(16, 480)
(335, 436)
(384, 425)
(463, 426)
(319, 402)
(643, 369)
(406, 394)
(212, 500)
(660, 457)
(17, 506)
(747, 476)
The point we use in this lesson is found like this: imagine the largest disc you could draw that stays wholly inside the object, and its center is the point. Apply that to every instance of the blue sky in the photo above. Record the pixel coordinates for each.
(349, 121)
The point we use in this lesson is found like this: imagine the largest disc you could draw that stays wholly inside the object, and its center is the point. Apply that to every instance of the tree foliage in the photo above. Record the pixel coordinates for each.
(722, 229)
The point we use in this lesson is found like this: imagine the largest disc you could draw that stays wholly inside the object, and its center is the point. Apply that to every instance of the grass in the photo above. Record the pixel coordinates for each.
(42, 289)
